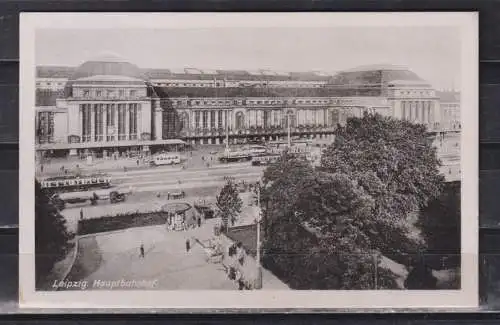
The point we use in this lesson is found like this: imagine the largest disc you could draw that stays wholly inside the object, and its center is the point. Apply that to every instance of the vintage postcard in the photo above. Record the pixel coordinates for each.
(273, 160)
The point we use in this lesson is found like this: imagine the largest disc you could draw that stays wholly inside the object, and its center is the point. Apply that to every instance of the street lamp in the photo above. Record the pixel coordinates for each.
(289, 130)
(258, 282)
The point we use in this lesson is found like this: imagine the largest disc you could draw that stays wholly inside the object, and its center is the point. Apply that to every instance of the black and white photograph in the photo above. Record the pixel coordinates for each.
(248, 160)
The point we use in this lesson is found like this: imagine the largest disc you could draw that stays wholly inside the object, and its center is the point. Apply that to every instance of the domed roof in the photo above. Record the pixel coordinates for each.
(107, 64)
(376, 75)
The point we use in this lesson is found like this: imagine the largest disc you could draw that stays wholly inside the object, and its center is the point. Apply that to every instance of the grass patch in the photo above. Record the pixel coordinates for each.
(246, 235)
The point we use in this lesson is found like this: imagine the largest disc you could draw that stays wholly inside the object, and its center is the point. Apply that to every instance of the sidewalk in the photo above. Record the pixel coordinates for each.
(117, 166)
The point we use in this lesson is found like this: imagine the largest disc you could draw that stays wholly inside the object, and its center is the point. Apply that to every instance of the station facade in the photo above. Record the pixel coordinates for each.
(108, 105)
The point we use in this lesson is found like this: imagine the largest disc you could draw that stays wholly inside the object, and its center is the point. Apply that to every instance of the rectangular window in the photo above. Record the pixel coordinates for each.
(197, 119)
(98, 122)
(205, 120)
(133, 93)
(121, 93)
(219, 120)
(86, 122)
(98, 93)
(133, 121)
(121, 122)
(212, 119)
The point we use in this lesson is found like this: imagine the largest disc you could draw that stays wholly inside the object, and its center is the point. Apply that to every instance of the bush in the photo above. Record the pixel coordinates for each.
(53, 241)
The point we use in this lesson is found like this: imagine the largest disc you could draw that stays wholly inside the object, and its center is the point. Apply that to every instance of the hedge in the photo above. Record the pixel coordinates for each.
(121, 221)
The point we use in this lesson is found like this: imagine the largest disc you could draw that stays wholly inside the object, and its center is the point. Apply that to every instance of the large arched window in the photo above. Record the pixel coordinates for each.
(240, 121)
(289, 116)
(184, 118)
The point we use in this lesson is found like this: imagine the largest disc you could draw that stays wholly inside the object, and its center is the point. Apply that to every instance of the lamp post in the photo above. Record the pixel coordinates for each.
(289, 130)
(227, 136)
(258, 284)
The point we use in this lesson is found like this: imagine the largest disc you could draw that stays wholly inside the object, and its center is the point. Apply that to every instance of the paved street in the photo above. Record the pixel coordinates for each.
(116, 256)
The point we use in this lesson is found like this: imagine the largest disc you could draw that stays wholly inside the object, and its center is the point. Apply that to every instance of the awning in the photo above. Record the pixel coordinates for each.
(107, 144)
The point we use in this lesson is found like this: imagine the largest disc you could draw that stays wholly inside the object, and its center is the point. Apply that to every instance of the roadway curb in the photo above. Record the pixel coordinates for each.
(73, 260)
(77, 240)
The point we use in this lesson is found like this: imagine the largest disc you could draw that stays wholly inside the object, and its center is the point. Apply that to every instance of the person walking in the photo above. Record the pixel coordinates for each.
(188, 245)
(81, 214)
(141, 250)
(199, 222)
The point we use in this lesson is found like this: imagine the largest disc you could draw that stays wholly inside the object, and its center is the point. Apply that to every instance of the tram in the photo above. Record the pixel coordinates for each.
(75, 183)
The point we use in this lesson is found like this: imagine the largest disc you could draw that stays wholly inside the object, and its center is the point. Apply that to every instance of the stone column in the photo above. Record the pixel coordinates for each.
(424, 112)
(105, 122)
(158, 121)
(80, 121)
(116, 121)
(127, 121)
(92, 121)
(138, 122)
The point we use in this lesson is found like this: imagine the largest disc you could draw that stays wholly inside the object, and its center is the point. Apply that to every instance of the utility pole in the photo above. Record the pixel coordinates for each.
(227, 134)
(258, 284)
(288, 124)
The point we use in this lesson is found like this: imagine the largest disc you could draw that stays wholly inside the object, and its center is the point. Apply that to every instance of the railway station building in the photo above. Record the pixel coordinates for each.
(108, 105)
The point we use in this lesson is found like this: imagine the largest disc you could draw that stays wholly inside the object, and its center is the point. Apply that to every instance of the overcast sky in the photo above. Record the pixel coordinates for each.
(431, 52)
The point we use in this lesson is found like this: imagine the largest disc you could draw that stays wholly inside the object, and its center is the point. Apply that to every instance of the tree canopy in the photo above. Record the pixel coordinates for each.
(229, 203)
(396, 164)
(338, 220)
(52, 238)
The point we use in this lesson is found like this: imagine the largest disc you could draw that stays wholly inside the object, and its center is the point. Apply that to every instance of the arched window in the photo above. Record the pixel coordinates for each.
(240, 121)
(184, 118)
(289, 116)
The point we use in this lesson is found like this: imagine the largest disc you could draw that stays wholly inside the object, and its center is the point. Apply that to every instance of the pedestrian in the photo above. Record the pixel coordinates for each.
(137, 162)
(239, 279)
(188, 245)
(199, 222)
(41, 168)
(141, 250)
(81, 214)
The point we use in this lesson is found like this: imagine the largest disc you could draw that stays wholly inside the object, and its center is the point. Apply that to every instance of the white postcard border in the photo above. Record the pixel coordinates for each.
(467, 297)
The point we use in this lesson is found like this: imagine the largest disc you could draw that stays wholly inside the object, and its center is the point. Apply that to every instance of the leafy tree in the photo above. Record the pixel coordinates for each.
(52, 238)
(361, 203)
(281, 186)
(440, 224)
(396, 164)
(229, 204)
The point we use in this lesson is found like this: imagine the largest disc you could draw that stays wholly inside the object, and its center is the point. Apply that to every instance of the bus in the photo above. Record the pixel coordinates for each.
(166, 159)
(75, 183)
